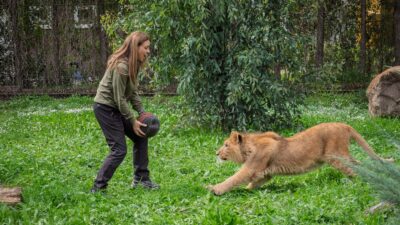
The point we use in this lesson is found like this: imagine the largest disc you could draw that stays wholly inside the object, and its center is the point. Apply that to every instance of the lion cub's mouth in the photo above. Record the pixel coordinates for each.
(219, 160)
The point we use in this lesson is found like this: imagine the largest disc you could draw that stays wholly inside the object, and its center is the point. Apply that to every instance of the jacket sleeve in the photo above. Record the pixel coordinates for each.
(134, 99)
(120, 81)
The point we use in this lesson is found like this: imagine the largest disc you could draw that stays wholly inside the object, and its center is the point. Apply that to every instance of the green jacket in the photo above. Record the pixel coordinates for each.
(116, 89)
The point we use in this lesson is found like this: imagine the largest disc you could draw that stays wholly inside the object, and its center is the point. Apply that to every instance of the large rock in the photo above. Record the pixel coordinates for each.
(384, 93)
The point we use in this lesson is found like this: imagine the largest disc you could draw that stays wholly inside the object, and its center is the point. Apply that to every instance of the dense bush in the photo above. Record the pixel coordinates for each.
(231, 75)
(228, 57)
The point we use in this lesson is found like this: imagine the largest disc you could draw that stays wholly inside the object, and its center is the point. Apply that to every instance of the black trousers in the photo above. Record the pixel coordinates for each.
(115, 127)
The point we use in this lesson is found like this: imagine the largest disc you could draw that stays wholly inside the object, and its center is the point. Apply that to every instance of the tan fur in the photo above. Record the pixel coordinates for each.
(265, 155)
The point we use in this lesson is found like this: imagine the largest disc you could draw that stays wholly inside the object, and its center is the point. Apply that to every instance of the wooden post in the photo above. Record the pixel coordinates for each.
(10, 196)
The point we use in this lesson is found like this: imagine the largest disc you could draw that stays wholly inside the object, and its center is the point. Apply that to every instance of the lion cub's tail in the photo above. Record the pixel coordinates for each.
(363, 143)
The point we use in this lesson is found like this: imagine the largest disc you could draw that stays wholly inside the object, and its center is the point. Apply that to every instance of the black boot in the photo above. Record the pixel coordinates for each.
(146, 184)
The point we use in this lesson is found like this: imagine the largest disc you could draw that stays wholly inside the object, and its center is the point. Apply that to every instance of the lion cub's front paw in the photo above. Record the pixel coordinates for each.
(210, 187)
(251, 186)
(215, 189)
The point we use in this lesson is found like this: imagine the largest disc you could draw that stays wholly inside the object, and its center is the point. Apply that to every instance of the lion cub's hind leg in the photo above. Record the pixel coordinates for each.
(340, 162)
(257, 183)
(336, 154)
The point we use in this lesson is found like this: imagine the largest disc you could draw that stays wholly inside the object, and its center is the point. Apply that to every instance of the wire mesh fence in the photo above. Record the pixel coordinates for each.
(51, 46)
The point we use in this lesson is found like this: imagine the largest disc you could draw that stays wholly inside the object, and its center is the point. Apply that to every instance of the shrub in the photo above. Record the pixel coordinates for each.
(228, 57)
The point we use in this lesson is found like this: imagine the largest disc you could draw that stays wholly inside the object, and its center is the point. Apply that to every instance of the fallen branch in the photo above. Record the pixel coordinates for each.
(378, 207)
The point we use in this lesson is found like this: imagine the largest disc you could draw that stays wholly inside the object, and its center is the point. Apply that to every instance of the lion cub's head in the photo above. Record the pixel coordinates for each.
(231, 150)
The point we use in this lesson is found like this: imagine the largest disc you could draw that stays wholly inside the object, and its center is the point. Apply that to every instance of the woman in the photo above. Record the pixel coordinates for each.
(118, 87)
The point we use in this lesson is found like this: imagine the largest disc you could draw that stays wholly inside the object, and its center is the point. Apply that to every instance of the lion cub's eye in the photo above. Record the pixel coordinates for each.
(226, 145)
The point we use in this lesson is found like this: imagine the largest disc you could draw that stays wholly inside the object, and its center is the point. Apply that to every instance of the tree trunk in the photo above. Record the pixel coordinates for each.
(381, 41)
(278, 57)
(102, 37)
(13, 11)
(10, 195)
(277, 71)
(56, 75)
(363, 42)
(397, 32)
(319, 55)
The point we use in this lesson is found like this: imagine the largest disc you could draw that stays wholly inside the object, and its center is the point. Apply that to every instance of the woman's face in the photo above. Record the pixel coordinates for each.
(144, 51)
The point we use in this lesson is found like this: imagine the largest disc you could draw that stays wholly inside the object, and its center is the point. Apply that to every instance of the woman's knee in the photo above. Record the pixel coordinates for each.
(118, 151)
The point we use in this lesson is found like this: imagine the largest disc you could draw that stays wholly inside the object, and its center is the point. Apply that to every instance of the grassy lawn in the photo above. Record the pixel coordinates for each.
(53, 148)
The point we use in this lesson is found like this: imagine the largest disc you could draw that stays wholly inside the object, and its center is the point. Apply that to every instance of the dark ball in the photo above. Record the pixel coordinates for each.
(152, 122)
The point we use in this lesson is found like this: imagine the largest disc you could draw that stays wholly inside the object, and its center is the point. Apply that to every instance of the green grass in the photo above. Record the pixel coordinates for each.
(52, 148)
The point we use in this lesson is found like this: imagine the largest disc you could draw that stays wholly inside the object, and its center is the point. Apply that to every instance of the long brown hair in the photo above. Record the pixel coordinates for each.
(129, 51)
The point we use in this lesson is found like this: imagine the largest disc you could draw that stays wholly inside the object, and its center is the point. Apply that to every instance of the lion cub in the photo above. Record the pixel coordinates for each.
(265, 155)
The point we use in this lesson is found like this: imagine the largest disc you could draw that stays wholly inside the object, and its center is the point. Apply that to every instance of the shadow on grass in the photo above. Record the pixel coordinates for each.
(271, 187)
(281, 188)
(316, 178)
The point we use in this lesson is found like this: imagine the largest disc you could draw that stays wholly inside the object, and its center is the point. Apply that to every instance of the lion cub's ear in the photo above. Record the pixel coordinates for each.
(236, 137)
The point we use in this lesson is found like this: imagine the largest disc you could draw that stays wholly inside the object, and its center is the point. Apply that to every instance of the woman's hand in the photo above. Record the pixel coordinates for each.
(137, 130)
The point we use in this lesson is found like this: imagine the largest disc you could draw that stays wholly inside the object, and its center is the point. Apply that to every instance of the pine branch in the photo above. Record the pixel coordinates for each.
(384, 177)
